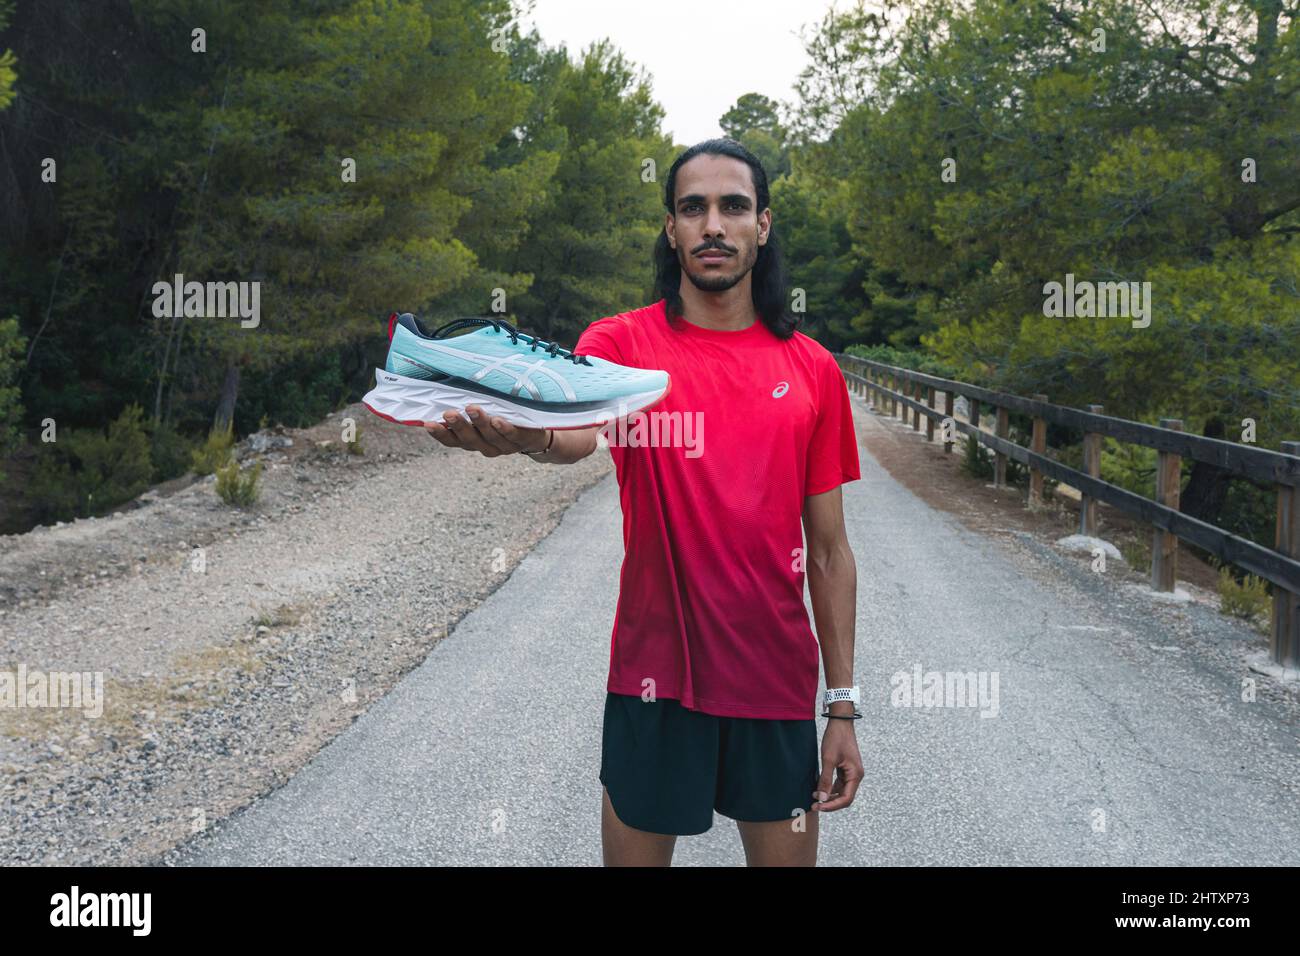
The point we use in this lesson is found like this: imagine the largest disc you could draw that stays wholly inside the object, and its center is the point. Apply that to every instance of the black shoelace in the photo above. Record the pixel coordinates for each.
(501, 325)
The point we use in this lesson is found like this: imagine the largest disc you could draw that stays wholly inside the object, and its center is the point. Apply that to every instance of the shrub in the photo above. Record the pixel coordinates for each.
(87, 472)
(1247, 599)
(1137, 554)
(1132, 467)
(170, 452)
(355, 447)
(977, 462)
(216, 452)
(236, 488)
(903, 358)
(11, 409)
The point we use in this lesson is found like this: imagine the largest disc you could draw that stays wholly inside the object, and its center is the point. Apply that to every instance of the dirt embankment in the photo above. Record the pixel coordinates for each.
(232, 643)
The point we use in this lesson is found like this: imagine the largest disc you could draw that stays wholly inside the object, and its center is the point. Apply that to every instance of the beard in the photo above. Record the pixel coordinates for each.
(710, 282)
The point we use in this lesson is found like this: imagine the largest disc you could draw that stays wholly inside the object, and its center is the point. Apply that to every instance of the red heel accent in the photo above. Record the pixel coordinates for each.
(392, 324)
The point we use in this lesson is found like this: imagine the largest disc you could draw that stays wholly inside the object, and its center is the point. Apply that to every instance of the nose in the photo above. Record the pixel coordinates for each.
(713, 223)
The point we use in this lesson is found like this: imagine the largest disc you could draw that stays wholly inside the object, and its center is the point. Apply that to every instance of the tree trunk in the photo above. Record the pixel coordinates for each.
(1207, 488)
(229, 392)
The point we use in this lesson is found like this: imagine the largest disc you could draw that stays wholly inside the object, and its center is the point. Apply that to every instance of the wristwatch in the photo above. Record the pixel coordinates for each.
(842, 693)
(534, 455)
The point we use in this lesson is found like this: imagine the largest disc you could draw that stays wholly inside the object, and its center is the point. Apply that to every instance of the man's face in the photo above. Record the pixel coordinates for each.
(716, 228)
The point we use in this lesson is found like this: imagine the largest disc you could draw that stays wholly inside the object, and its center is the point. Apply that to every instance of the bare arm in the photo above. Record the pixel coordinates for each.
(491, 438)
(833, 585)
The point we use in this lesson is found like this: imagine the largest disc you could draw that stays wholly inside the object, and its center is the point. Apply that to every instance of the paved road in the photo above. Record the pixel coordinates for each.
(1120, 737)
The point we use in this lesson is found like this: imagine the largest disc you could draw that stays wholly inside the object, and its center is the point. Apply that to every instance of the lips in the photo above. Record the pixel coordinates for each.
(714, 255)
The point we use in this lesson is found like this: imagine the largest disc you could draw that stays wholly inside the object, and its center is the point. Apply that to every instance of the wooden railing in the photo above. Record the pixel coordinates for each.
(898, 391)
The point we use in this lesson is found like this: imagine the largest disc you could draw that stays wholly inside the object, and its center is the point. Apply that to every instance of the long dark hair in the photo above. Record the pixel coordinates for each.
(769, 283)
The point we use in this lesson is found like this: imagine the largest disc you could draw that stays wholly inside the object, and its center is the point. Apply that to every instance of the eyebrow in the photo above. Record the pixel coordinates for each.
(729, 197)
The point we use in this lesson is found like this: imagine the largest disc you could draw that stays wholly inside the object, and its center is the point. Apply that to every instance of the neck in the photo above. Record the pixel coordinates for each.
(727, 311)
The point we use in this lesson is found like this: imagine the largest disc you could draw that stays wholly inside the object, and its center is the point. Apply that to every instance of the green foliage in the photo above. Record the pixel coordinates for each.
(976, 462)
(297, 394)
(1123, 164)
(1248, 598)
(215, 453)
(755, 123)
(355, 447)
(1137, 553)
(170, 452)
(912, 359)
(808, 222)
(1131, 467)
(239, 488)
(11, 409)
(86, 472)
(588, 247)
(7, 73)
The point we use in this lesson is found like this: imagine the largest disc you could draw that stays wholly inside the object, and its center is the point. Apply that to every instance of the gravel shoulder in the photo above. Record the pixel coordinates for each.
(234, 644)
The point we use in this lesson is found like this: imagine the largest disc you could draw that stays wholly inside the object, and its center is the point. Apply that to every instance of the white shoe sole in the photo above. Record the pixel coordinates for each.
(413, 401)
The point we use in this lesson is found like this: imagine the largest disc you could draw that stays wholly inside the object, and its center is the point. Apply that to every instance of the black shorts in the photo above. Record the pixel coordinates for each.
(667, 768)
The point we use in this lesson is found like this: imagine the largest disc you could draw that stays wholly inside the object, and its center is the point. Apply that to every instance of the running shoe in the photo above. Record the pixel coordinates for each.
(515, 377)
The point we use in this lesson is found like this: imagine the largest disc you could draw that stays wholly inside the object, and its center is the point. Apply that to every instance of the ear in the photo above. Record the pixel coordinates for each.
(764, 226)
(670, 230)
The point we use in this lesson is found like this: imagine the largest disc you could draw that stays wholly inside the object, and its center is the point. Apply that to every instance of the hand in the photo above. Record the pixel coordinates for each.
(488, 437)
(839, 753)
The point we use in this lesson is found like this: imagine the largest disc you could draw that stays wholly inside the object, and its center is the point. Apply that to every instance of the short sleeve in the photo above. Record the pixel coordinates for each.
(833, 451)
(601, 339)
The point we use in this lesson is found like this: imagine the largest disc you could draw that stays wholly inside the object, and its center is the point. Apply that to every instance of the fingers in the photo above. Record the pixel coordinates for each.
(475, 433)
(823, 789)
(442, 433)
(519, 439)
(492, 430)
(845, 789)
(468, 436)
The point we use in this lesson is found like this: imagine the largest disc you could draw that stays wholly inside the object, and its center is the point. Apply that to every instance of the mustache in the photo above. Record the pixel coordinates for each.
(713, 244)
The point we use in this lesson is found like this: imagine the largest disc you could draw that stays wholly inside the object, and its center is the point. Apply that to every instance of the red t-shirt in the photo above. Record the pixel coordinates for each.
(712, 482)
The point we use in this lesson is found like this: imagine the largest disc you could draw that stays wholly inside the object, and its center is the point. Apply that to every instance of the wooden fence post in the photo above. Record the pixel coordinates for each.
(1286, 604)
(1164, 546)
(951, 431)
(916, 416)
(929, 419)
(1092, 465)
(1003, 430)
(1038, 445)
(974, 414)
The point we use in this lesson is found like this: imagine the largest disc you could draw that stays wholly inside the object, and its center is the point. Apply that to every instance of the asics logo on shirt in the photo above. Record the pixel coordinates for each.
(781, 389)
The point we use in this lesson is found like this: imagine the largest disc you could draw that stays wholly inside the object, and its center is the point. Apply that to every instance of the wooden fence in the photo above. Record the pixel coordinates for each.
(898, 391)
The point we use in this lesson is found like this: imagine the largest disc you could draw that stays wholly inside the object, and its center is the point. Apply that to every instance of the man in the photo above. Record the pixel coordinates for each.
(713, 667)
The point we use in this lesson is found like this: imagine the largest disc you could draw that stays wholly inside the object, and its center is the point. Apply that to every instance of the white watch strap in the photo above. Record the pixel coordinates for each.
(843, 693)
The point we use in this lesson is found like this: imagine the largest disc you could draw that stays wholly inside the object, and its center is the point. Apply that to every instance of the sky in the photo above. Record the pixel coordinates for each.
(701, 56)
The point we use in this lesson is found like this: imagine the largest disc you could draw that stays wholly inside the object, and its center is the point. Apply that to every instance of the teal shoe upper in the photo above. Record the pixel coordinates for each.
(515, 365)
